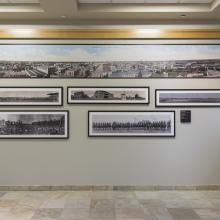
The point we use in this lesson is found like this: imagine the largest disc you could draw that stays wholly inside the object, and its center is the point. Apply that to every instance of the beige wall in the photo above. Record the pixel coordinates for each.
(191, 158)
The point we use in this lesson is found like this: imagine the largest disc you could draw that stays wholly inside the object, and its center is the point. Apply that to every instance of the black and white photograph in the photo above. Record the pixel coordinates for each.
(31, 96)
(110, 61)
(108, 95)
(131, 124)
(34, 124)
(187, 98)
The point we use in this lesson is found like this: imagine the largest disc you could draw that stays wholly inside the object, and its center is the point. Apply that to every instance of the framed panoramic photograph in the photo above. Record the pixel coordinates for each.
(131, 124)
(34, 124)
(108, 95)
(187, 98)
(97, 61)
(31, 96)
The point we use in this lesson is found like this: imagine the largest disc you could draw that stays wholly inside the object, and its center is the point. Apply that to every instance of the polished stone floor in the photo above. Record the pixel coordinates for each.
(101, 205)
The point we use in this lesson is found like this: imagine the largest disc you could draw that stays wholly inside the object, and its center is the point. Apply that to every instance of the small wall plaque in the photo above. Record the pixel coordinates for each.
(185, 116)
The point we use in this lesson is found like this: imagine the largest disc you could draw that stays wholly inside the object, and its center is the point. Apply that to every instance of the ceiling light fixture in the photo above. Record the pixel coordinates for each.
(22, 32)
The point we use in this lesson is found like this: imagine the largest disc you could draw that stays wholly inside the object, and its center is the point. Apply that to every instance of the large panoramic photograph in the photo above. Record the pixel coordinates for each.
(109, 61)
(131, 124)
(33, 124)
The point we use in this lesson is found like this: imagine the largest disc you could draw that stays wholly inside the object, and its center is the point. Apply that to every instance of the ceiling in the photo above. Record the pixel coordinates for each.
(109, 12)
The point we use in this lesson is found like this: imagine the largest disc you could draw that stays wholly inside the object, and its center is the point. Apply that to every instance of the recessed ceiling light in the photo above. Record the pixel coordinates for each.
(63, 16)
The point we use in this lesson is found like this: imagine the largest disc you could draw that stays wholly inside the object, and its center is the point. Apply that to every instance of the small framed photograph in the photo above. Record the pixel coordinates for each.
(131, 124)
(34, 124)
(185, 116)
(31, 96)
(187, 98)
(108, 95)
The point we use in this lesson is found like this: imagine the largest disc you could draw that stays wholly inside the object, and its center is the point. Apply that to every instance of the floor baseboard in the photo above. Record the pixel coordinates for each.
(108, 188)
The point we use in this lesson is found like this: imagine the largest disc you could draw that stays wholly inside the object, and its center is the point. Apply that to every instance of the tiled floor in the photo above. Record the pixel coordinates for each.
(119, 205)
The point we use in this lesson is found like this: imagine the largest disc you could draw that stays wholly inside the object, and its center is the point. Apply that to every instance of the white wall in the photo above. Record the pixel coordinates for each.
(191, 158)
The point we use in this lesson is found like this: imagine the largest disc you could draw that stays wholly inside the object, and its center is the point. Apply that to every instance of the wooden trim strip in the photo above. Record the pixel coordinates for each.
(37, 33)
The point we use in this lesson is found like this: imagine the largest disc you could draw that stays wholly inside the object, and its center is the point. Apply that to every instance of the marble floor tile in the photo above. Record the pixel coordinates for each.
(169, 195)
(7, 203)
(79, 195)
(102, 195)
(147, 194)
(101, 214)
(208, 213)
(14, 195)
(147, 203)
(124, 195)
(130, 213)
(2, 194)
(81, 214)
(177, 203)
(183, 214)
(76, 203)
(111, 205)
(127, 203)
(215, 203)
(20, 213)
(51, 203)
(157, 213)
(47, 213)
(102, 204)
(201, 203)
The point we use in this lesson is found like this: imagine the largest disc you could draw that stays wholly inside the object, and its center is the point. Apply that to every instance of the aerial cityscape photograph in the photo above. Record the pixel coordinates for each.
(110, 61)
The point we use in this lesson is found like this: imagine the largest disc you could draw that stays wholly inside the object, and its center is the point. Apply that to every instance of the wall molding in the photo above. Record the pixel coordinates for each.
(109, 188)
(106, 33)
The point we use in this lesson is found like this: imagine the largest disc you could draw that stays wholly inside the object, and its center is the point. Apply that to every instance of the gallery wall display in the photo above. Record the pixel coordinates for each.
(31, 96)
(34, 124)
(187, 98)
(109, 61)
(131, 123)
(108, 95)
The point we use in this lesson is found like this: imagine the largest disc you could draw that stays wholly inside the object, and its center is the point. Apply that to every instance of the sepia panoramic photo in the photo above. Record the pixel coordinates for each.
(110, 61)
(188, 98)
(31, 96)
(108, 95)
(131, 124)
(33, 124)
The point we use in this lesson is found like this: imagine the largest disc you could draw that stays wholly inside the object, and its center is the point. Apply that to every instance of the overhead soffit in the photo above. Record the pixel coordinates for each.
(106, 11)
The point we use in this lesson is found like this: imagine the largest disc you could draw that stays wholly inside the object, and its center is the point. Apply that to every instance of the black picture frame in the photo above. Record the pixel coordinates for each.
(65, 136)
(60, 102)
(108, 101)
(185, 116)
(187, 105)
(132, 136)
(119, 44)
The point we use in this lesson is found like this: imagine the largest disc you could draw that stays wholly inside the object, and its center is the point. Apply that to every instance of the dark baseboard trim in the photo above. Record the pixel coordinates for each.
(108, 188)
